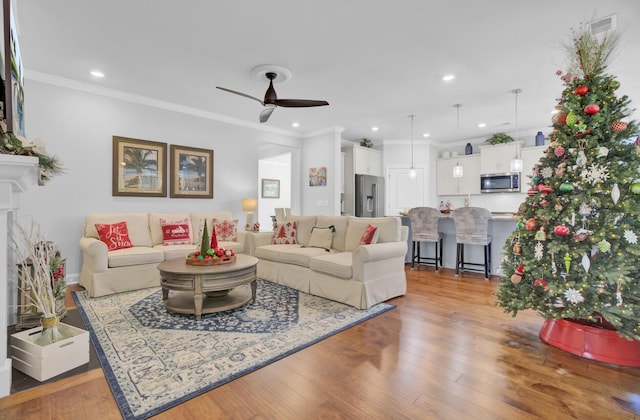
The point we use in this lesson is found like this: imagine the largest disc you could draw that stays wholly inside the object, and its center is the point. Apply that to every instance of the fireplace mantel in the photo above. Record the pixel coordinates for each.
(17, 174)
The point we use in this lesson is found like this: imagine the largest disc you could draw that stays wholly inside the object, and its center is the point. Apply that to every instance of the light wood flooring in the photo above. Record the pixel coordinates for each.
(445, 352)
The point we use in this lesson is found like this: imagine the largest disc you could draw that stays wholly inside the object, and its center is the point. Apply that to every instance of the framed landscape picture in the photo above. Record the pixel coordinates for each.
(139, 168)
(270, 188)
(191, 172)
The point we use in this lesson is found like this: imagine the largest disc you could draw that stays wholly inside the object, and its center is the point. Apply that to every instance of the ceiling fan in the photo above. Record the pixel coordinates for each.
(271, 100)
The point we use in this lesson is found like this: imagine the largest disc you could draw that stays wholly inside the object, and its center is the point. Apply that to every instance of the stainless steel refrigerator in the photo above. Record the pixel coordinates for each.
(369, 196)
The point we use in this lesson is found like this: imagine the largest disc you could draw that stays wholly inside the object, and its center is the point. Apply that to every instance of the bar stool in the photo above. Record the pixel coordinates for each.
(424, 228)
(472, 228)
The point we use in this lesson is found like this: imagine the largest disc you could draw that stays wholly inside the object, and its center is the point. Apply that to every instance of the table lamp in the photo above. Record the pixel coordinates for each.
(249, 205)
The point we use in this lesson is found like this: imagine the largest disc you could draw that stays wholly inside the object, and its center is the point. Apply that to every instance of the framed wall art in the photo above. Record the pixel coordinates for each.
(191, 172)
(139, 168)
(318, 177)
(270, 188)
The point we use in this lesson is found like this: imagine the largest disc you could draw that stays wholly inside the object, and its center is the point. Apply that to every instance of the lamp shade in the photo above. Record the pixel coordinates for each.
(249, 204)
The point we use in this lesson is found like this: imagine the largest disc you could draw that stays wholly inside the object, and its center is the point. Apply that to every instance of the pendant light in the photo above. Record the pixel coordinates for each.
(458, 171)
(412, 172)
(516, 162)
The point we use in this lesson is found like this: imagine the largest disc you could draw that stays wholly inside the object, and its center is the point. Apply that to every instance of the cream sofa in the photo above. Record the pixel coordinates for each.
(358, 275)
(105, 272)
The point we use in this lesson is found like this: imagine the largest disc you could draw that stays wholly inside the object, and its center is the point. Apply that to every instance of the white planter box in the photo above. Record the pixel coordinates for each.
(44, 362)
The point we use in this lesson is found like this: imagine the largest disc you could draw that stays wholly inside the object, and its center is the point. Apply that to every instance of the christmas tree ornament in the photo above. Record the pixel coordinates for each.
(516, 277)
(585, 209)
(602, 152)
(631, 236)
(618, 298)
(559, 303)
(540, 282)
(558, 207)
(582, 234)
(535, 180)
(546, 172)
(545, 189)
(517, 248)
(532, 191)
(604, 245)
(561, 230)
(560, 118)
(538, 251)
(559, 151)
(581, 160)
(591, 109)
(586, 262)
(571, 119)
(635, 188)
(561, 169)
(567, 262)
(554, 268)
(531, 224)
(581, 90)
(574, 296)
(540, 234)
(566, 187)
(619, 126)
(615, 193)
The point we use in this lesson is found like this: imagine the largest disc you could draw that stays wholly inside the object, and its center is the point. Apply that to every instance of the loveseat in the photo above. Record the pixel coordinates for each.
(134, 267)
(345, 271)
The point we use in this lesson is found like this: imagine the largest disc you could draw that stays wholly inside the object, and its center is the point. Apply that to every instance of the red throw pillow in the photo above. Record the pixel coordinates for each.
(370, 235)
(284, 233)
(176, 232)
(116, 236)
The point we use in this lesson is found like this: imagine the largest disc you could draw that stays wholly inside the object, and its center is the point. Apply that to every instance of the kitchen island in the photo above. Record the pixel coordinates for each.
(501, 227)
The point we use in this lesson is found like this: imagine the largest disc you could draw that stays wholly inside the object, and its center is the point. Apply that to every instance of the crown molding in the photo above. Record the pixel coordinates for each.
(329, 130)
(143, 100)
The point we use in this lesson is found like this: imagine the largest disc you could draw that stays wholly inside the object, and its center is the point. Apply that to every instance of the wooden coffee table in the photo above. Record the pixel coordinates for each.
(206, 289)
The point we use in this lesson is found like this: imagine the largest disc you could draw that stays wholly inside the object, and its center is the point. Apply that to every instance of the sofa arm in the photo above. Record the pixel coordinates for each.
(95, 255)
(256, 239)
(377, 252)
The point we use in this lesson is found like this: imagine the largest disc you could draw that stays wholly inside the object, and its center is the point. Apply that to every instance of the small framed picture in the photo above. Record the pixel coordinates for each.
(191, 172)
(318, 177)
(139, 168)
(270, 188)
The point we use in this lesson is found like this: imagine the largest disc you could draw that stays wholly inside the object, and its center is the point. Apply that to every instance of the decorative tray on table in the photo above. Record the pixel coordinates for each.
(211, 258)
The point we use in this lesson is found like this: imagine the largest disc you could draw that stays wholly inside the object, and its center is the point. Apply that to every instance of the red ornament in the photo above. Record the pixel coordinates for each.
(532, 191)
(531, 224)
(591, 109)
(559, 151)
(581, 90)
(561, 230)
(540, 282)
(545, 189)
(619, 126)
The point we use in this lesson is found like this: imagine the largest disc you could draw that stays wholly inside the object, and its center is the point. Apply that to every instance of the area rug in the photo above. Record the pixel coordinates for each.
(154, 359)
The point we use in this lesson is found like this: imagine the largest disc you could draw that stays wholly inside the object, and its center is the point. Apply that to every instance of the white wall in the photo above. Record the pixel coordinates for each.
(78, 127)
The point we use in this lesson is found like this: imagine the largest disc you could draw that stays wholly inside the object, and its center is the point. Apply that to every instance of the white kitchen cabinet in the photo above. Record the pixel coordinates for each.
(530, 157)
(496, 159)
(446, 184)
(367, 161)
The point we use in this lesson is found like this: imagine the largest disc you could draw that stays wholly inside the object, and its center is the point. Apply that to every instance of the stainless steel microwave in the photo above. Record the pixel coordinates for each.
(496, 183)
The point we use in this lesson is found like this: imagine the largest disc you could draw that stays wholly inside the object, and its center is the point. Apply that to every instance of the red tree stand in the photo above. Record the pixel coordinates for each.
(603, 345)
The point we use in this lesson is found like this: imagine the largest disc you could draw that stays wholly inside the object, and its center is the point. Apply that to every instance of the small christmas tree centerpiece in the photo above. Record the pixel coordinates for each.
(209, 253)
(574, 255)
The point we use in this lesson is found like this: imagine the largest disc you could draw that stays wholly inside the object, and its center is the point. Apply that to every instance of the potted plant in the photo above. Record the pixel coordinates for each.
(499, 138)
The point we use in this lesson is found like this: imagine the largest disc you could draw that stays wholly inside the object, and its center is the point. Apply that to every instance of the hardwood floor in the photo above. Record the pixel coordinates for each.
(445, 352)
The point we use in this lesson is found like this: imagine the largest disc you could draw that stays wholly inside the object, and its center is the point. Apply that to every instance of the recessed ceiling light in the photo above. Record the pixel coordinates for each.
(482, 125)
(426, 135)
(97, 73)
(295, 124)
(448, 77)
(374, 128)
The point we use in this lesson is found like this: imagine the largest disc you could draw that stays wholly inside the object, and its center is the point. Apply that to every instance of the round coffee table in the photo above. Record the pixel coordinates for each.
(206, 289)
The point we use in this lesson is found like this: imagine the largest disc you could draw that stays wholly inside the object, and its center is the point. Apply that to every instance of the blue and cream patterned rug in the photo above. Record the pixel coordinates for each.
(154, 359)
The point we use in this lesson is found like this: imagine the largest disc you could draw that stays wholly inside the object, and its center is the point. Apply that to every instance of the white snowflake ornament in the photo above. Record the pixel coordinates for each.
(630, 236)
(538, 251)
(547, 172)
(595, 174)
(574, 296)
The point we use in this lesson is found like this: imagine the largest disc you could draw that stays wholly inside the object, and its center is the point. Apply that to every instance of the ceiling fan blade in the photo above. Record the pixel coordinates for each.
(241, 94)
(299, 103)
(266, 113)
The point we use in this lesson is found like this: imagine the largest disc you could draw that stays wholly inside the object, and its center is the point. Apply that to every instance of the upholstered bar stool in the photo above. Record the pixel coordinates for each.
(472, 228)
(424, 228)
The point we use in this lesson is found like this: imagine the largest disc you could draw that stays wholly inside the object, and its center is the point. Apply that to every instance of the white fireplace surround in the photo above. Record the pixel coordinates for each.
(17, 174)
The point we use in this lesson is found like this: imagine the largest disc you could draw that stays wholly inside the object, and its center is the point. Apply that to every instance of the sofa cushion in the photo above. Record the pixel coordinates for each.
(388, 228)
(226, 229)
(304, 226)
(321, 237)
(272, 252)
(176, 232)
(301, 256)
(175, 251)
(137, 225)
(338, 264)
(340, 224)
(284, 233)
(115, 236)
(137, 255)
(155, 227)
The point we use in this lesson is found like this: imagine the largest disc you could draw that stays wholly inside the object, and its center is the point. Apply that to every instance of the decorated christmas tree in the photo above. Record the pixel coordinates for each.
(574, 253)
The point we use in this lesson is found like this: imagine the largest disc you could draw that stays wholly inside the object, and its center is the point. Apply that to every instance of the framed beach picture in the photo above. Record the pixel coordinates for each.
(191, 172)
(270, 188)
(139, 168)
